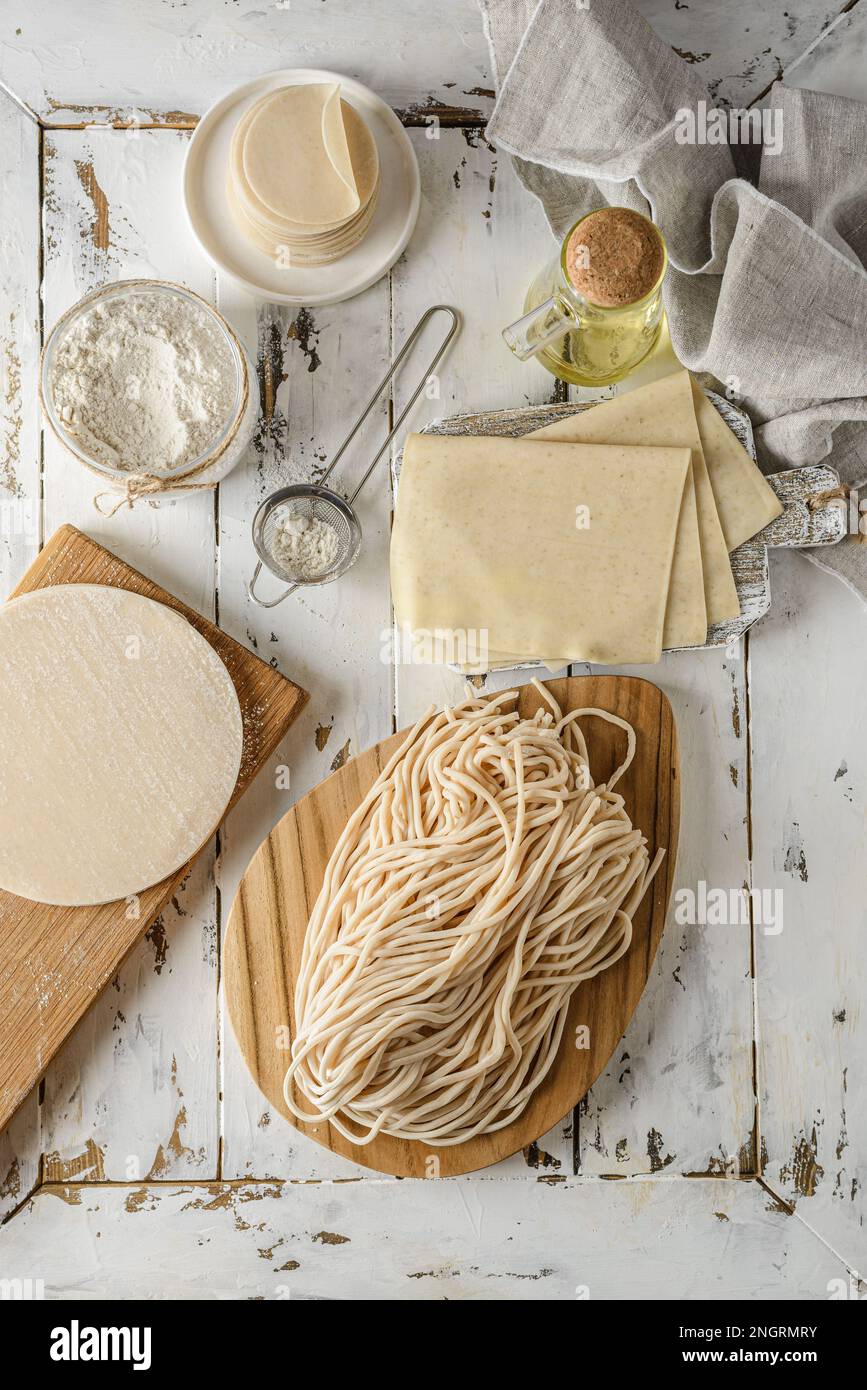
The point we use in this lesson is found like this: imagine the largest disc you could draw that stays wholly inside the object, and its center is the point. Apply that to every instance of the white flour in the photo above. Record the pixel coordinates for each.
(145, 383)
(306, 546)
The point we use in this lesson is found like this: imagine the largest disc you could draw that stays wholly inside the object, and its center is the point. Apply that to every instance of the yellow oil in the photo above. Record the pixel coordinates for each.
(608, 344)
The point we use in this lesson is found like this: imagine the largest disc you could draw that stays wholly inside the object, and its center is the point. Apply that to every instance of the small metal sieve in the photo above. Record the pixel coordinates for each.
(305, 503)
(309, 503)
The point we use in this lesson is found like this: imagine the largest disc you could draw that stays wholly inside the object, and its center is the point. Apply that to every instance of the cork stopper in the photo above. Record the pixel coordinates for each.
(614, 257)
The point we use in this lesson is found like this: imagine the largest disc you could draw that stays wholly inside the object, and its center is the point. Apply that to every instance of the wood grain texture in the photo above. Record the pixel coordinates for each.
(838, 63)
(153, 62)
(677, 1095)
(56, 960)
(269, 919)
(808, 863)
(467, 1240)
(147, 61)
(19, 343)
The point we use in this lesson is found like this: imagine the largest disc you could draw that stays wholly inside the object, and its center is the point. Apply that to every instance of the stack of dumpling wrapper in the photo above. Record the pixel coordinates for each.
(604, 537)
(303, 175)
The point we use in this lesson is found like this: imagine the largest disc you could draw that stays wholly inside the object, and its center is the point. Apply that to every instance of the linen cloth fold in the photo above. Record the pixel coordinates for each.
(767, 290)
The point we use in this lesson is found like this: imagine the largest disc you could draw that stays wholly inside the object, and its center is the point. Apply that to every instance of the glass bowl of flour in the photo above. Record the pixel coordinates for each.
(148, 386)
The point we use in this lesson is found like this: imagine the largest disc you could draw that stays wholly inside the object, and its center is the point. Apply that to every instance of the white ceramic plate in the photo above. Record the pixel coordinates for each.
(214, 227)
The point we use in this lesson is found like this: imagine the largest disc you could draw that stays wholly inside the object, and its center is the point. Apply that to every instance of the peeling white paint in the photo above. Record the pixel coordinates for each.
(414, 1241)
(152, 1081)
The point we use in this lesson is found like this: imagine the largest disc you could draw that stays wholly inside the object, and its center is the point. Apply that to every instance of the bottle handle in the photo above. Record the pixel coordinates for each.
(546, 323)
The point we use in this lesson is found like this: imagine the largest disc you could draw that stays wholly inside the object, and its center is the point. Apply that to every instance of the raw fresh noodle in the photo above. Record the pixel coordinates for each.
(483, 877)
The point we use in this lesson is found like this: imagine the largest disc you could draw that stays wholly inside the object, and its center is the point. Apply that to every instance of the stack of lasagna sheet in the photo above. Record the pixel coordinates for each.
(604, 537)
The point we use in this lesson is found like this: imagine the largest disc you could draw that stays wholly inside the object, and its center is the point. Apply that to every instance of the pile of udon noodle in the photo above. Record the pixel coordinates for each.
(482, 878)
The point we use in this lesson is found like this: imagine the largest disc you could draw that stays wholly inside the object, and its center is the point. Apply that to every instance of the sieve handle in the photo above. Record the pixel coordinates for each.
(454, 324)
(265, 603)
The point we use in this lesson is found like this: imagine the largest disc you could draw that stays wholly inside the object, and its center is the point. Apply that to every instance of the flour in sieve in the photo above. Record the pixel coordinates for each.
(145, 383)
(305, 546)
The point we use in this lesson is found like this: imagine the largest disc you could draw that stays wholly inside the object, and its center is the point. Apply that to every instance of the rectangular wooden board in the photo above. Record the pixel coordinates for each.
(54, 961)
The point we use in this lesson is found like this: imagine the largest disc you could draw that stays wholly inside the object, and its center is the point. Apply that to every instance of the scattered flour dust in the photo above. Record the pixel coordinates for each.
(144, 382)
(306, 546)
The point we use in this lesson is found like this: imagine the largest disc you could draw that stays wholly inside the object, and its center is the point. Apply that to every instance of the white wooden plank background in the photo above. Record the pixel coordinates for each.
(808, 842)
(809, 798)
(20, 520)
(678, 1094)
(410, 1240)
(136, 60)
(65, 60)
(838, 63)
(151, 1093)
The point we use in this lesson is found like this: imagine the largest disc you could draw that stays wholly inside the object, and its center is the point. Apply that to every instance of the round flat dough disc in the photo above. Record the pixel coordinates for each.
(120, 743)
(290, 169)
(254, 205)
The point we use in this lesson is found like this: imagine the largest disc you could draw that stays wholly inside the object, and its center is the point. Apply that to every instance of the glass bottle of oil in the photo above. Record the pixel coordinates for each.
(577, 340)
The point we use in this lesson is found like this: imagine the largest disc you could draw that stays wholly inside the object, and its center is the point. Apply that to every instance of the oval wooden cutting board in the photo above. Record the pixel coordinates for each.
(271, 910)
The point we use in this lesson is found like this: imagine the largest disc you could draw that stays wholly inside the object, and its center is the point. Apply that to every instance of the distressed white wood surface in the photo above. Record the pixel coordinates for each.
(465, 1239)
(739, 50)
(77, 62)
(152, 1084)
(135, 1087)
(149, 57)
(19, 343)
(808, 673)
(19, 469)
(838, 62)
(678, 1095)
